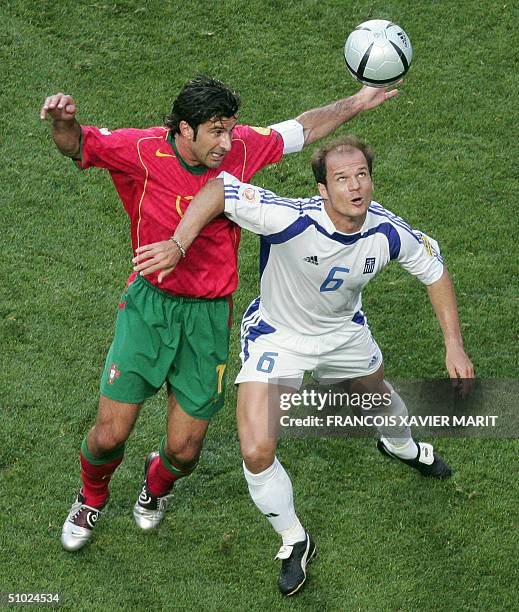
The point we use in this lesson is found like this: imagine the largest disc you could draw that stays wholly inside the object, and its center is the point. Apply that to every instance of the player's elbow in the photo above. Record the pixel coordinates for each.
(214, 191)
(73, 153)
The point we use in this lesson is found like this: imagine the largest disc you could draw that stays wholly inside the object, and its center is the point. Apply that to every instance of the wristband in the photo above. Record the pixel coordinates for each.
(180, 247)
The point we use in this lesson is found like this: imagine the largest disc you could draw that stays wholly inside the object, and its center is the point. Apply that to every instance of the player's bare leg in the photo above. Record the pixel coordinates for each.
(101, 453)
(257, 426)
(396, 441)
(185, 436)
(114, 423)
(269, 484)
(177, 457)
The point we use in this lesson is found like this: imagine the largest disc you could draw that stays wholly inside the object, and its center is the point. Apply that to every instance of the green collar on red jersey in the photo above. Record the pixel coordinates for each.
(201, 169)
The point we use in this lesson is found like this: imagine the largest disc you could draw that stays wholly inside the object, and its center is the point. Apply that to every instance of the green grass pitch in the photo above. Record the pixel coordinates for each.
(447, 162)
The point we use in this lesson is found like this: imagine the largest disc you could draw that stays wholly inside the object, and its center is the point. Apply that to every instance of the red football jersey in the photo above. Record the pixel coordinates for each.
(156, 186)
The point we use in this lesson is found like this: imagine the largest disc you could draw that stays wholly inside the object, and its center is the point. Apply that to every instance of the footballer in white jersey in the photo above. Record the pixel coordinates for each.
(309, 316)
(316, 256)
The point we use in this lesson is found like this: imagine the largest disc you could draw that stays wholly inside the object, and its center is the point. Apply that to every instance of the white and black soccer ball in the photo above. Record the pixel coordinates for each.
(378, 53)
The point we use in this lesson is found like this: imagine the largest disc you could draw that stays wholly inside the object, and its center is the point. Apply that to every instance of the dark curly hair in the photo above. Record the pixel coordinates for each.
(201, 99)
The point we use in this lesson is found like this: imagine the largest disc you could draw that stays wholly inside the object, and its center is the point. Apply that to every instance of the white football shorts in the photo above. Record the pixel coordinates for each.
(270, 354)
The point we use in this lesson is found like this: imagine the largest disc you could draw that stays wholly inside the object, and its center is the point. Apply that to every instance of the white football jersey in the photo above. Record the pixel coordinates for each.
(312, 275)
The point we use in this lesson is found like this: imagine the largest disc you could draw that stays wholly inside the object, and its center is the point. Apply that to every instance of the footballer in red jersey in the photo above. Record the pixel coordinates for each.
(176, 331)
(156, 184)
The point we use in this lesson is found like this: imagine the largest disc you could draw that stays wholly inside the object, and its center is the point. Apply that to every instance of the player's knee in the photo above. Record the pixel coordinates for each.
(258, 457)
(183, 455)
(105, 440)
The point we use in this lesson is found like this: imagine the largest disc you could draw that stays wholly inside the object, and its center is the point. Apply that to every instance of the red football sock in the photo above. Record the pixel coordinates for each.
(96, 479)
(160, 479)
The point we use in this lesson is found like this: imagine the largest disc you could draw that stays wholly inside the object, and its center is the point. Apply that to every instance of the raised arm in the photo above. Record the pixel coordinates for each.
(320, 122)
(164, 256)
(66, 131)
(443, 300)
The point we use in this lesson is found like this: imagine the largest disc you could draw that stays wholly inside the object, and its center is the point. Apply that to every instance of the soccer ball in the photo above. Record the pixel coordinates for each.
(378, 53)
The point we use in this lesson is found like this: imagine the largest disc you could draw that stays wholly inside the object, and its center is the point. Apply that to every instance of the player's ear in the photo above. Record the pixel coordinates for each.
(186, 130)
(323, 192)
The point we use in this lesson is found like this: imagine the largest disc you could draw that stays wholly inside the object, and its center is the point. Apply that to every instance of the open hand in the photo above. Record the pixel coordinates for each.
(461, 370)
(372, 97)
(163, 256)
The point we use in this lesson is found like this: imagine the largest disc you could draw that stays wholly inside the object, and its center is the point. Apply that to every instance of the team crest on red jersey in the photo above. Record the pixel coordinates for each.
(113, 374)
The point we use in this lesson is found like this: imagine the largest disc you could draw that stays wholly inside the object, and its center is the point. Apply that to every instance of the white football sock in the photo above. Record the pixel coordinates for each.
(398, 439)
(295, 534)
(409, 450)
(271, 491)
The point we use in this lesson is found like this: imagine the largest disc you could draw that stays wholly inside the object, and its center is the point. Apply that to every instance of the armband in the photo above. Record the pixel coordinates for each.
(293, 135)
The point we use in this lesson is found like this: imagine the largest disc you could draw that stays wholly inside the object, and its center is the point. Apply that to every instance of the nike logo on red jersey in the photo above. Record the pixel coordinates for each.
(158, 153)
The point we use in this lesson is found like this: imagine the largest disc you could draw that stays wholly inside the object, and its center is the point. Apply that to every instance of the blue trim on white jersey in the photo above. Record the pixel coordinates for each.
(266, 197)
(380, 211)
(253, 327)
(301, 204)
(253, 333)
(270, 198)
(251, 311)
(376, 209)
(264, 254)
(315, 203)
(359, 317)
(435, 252)
(304, 222)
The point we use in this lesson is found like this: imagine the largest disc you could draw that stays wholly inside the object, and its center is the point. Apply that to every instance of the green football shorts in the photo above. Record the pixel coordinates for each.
(160, 338)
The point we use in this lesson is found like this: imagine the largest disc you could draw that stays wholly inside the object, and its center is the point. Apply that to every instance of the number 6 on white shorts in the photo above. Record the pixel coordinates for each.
(266, 362)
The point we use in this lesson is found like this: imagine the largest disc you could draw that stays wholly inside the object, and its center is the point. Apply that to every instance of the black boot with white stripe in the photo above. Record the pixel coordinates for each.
(428, 463)
(293, 567)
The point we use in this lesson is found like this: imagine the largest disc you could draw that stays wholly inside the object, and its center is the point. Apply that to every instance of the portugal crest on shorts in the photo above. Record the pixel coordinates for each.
(113, 374)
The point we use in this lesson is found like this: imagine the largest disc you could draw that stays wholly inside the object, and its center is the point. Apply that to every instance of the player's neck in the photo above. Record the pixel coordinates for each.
(349, 228)
(346, 224)
(182, 145)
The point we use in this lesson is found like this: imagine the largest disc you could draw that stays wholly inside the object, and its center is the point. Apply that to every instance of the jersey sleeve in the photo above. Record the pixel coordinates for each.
(420, 255)
(114, 150)
(261, 147)
(258, 210)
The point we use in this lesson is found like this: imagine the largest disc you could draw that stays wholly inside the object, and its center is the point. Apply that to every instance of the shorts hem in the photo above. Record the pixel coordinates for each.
(124, 400)
(245, 379)
(338, 379)
(204, 413)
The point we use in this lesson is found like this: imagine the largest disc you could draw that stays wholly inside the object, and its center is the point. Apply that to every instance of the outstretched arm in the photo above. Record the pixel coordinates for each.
(443, 300)
(208, 203)
(66, 131)
(320, 122)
